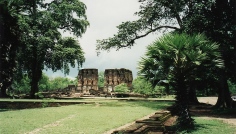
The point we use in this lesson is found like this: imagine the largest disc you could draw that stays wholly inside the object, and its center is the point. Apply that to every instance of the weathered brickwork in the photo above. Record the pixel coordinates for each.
(87, 80)
(114, 77)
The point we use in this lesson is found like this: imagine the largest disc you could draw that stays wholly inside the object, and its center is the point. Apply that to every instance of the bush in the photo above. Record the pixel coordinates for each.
(121, 88)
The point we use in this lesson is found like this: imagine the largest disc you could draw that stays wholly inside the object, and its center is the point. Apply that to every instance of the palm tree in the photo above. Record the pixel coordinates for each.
(179, 58)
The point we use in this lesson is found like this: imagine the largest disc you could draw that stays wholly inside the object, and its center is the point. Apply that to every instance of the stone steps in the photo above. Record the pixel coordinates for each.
(130, 129)
(155, 122)
(146, 128)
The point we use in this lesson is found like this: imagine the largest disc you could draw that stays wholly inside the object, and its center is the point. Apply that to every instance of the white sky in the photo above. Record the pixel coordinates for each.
(104, 16)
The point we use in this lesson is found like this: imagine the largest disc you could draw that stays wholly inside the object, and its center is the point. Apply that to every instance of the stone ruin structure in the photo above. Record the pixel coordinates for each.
(114, 77)
(87, 80)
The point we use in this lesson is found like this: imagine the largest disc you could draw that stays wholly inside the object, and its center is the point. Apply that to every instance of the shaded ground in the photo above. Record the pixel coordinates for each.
(204, 111)
(154, 123)
(208, 100)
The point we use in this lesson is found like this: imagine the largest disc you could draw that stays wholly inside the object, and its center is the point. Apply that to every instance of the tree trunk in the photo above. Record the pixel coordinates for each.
(224, 98)
(36, 76)
(219, 10)
(185, 120)
(34, 87)
(2, 91)
(192, 96)
(36, 72)
(234, 33)
(167, 89)
(9, 43)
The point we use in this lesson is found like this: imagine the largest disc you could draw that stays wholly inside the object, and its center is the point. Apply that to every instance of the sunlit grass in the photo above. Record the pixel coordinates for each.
(94, 118)
(82, 118)
(212, 126)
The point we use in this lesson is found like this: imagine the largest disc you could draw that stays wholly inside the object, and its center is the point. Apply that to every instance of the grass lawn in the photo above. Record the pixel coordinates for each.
(211, 126)
(77, 119)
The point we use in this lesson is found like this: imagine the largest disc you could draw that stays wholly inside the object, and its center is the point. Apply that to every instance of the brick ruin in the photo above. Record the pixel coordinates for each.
(88, 79)
(114, 77)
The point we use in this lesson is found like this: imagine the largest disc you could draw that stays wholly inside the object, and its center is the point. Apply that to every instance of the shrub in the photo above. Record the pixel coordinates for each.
(121, 88)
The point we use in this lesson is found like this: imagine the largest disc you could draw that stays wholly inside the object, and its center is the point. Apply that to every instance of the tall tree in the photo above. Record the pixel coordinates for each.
(42, 23)
(217, 21)
(180, 57)
(9, 43)
(214, 18)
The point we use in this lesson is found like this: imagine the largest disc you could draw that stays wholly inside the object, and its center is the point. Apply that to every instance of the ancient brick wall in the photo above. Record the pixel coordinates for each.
(87, 79)
(114, 77)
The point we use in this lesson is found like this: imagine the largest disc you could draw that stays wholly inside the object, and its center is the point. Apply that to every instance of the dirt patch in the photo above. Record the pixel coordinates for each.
(171, 121)
(204, 111)
(208, 100)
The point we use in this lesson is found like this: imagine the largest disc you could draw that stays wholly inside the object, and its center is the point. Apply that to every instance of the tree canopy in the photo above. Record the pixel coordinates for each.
(41, 24)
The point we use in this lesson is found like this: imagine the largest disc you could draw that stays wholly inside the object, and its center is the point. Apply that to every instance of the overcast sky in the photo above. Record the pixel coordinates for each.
(104, 16)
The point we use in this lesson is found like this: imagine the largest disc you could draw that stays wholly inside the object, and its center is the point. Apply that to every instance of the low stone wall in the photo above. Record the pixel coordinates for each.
(44, 103)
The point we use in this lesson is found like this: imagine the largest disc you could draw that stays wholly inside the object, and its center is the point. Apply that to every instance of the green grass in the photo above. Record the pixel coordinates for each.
(88, 118)
(207, 126)
(94, 118)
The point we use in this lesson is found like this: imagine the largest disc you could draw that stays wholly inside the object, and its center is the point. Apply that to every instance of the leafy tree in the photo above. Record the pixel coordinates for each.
(9, 43)
(218, 22)
(41, 23)
(180, 57)
(215, 18)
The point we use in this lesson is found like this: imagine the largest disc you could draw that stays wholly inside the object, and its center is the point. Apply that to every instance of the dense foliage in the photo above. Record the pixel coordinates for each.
(143, 86)
(41, 24)
(45, 84)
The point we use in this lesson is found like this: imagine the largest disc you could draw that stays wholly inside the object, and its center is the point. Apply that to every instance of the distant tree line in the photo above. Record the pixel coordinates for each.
(46, 84)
